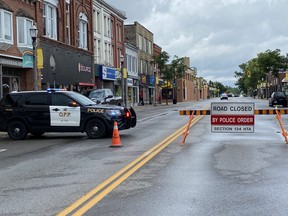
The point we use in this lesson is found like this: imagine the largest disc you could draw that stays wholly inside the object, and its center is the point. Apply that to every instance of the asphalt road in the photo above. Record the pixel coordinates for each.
(211, 174)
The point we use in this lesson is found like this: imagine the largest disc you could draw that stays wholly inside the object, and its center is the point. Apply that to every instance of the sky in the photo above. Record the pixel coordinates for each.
(217, 35)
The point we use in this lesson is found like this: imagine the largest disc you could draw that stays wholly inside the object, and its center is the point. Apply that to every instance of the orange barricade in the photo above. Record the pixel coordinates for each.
(284, 133)
(187, 128)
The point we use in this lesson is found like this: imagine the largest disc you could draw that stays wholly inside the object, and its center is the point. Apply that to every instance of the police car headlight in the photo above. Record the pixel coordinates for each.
(113, 112)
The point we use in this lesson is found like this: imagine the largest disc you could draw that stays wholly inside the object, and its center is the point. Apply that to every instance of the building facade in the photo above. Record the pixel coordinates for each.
(132, 82)
(158, 82)
(142, 38)
(108, 30)
(64, 44)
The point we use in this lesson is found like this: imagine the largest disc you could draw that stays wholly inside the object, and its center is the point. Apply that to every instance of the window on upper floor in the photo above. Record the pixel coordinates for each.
(106, 60)
(82, 31)
(97, 50)
(145, 45)
(23, 32)
(96, 21)
(149, 47)
(98, 27)
(111, 29)
(120, 33)
(141, 66)
(50, 19)
(140, 42)
(109, 54)
(146, 67)
(6, 30)
(68, 23)
(107, 26)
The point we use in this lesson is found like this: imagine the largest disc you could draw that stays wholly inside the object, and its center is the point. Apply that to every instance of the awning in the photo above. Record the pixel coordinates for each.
(86, 84)
(284, 80)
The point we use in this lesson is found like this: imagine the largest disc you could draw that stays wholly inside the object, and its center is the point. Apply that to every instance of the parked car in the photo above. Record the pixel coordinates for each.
(38, 112)
(103, 96)
(224, 96)
(278, 98)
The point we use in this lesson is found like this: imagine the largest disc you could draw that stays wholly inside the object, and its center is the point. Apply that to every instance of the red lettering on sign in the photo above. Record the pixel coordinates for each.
(232, 119)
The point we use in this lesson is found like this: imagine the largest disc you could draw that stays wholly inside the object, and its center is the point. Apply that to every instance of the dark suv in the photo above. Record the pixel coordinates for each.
(37, 112)
(278, 98)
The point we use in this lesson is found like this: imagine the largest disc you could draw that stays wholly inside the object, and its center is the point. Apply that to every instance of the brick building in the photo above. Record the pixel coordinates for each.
(108, 30)
(142, 38)
(64, 44)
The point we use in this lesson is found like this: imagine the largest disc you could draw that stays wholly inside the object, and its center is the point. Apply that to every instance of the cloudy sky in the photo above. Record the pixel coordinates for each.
(217, 35)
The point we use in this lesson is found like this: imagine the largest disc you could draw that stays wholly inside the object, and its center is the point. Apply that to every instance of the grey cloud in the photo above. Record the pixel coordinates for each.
(217, 35)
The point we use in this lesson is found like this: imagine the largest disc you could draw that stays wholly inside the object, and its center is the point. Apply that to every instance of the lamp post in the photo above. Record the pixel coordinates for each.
(155, 85)
(123, 79)
(33, 34)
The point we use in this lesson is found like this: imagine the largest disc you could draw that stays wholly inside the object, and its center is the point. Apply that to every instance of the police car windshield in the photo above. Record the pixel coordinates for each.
(81, 99)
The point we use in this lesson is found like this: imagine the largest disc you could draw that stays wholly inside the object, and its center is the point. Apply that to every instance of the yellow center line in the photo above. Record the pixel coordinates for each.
(124, 173)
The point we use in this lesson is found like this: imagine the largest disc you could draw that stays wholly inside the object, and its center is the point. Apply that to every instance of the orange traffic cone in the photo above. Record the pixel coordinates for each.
(116, 137)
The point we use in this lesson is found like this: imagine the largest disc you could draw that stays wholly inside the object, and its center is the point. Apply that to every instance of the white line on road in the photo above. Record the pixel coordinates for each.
(2, 150)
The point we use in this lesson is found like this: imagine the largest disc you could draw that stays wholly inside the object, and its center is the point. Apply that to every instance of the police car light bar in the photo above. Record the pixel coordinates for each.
(55, 89)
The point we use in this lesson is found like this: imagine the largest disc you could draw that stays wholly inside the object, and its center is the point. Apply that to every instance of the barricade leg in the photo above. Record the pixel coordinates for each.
(284, 133)
(187, 128)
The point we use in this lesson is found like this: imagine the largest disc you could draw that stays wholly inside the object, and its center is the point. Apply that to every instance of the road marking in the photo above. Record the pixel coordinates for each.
(2, 150)
(86, 202)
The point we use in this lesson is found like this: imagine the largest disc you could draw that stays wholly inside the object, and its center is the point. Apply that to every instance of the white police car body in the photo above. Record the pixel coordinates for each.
(37, 112)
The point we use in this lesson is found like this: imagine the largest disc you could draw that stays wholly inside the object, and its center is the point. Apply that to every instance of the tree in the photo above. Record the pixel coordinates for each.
(259, 68)
(177, 70)
(161, 61)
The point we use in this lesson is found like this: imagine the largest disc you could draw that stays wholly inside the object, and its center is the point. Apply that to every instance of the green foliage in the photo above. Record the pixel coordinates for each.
(258, 68)
(220, 86)
(161, 60)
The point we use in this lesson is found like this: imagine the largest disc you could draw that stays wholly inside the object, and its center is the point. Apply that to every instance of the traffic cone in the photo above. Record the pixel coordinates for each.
(116, 137)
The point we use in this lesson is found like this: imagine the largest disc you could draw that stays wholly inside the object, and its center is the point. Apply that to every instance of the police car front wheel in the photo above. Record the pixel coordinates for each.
(95, 129)
(17, 130)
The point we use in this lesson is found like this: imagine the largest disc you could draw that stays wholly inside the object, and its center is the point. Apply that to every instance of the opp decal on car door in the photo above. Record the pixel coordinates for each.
(64, 116)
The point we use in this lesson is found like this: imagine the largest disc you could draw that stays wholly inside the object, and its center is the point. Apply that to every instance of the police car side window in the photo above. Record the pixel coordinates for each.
(60, 100)
(38, 99)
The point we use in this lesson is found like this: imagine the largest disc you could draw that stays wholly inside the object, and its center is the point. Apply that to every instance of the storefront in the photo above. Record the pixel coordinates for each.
(108, 77)
(66, 68)
(133, 92)
(10, 74)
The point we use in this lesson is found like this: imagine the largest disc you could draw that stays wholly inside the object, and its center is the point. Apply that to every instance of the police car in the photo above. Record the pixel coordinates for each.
(37, 112)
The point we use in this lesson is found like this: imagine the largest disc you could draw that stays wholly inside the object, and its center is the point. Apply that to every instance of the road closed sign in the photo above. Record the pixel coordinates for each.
(232, 117)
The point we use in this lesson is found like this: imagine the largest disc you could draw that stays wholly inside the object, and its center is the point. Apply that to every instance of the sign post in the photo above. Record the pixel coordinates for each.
(232, 117)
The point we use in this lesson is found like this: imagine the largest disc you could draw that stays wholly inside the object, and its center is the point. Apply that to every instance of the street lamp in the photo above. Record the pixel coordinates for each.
(155, 85)
(123, 79)
(33, 34)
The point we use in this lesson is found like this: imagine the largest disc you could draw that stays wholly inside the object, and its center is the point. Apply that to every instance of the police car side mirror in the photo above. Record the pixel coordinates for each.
(73, 104)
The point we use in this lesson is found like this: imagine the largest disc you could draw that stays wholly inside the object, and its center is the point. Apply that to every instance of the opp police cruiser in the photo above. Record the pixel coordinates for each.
(37, 112)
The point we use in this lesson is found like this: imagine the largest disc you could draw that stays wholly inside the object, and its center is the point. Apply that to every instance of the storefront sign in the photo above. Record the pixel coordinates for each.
(10, 62)
(84, 68)
(108, 73)
(129, 82)
(27, 59)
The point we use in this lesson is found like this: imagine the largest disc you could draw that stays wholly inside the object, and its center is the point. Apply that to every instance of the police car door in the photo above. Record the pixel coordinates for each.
(61, 114)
